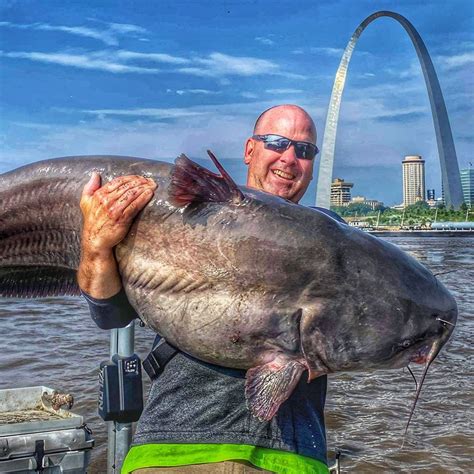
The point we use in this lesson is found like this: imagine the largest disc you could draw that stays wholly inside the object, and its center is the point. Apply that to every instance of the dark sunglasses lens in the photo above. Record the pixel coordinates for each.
(280, 144)
(304, 151)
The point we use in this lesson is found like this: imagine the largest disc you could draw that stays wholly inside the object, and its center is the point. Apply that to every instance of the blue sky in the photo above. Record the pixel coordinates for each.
(155, 79)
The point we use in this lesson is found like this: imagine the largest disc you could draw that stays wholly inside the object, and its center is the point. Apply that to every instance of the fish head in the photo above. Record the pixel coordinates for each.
(392, 314)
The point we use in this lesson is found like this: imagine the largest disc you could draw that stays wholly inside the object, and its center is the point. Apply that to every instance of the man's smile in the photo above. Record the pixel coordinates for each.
(283, 174)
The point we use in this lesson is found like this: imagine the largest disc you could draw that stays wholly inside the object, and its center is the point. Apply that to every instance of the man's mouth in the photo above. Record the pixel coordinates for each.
(283, 175)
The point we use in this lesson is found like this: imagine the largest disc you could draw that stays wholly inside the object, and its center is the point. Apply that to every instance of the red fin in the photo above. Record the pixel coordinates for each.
(191, 182)
(269, 385)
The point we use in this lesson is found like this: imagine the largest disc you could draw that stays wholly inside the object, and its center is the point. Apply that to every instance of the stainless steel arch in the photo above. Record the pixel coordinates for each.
(447, 153)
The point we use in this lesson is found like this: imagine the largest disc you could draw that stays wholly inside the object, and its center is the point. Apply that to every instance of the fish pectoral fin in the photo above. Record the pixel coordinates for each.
(191, 182)
(269, 385)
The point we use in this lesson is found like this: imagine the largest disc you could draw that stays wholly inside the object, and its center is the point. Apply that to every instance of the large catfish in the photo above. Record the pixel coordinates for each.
(232, 276)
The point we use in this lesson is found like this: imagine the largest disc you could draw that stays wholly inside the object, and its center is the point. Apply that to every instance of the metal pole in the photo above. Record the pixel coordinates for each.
(122, 342)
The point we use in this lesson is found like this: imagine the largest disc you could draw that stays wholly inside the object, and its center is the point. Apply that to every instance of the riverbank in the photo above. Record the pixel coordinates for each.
(422, 233)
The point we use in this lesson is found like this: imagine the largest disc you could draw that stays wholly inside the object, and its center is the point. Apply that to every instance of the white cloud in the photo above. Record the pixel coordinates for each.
(265, 40)
(413, 70)
(196, 71)
(328, 51)
(390, 90)
(154, 113)
(284, 91)
(220, 64)
(109, 36)
(456, 61)
(125, 28)
(216, 65)
(224, 64)
(157, 57)
(196, 91)
(249, 95)
(291, 75)
(357, 108)
(103, 36)
(82, 61)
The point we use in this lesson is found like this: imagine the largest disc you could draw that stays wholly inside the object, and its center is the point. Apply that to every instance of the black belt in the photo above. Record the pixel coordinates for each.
(159, 356)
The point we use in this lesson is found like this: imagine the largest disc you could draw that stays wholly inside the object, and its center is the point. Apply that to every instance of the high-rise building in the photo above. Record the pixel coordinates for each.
(431, 197)
(467, 183)
(413, 179)
(340, 192)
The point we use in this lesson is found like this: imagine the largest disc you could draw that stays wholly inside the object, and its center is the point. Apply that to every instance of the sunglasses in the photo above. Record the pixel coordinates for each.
(303, 150)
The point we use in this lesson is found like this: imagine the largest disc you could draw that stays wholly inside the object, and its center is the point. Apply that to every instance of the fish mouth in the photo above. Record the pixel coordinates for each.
(417, 352)
(420, 356)
(283, 174)
(420, 351)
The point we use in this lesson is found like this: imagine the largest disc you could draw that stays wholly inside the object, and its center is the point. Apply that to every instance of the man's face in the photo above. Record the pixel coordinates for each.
(282, 174)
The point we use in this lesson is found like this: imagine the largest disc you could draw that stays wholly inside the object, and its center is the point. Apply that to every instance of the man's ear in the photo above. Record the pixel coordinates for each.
(249, 149)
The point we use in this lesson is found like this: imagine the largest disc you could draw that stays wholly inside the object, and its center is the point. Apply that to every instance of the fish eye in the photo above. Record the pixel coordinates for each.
(406, 343)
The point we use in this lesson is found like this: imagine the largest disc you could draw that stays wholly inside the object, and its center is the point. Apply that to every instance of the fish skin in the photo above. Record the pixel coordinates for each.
(255, 283)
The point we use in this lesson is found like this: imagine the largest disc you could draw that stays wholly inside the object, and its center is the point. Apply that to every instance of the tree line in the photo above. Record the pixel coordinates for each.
(419, 214)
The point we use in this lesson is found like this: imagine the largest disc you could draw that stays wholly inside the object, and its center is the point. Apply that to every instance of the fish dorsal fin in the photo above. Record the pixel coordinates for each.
(191, 182)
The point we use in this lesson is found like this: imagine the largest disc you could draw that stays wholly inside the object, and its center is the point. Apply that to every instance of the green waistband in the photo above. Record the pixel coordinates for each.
(168, 455)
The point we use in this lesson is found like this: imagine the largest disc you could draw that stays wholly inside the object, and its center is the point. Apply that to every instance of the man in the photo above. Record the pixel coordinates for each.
(196, 418)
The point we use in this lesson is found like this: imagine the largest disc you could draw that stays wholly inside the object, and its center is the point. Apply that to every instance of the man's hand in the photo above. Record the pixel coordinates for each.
(108, 213)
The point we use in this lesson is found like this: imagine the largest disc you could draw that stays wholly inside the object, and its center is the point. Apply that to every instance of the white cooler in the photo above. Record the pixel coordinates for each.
(34, 437)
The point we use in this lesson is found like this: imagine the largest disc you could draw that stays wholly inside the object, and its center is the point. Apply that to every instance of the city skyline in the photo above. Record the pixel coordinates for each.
(149, 83)
(413, 185)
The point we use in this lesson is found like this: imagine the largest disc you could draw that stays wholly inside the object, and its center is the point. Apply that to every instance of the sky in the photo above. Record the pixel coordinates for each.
(156, 79)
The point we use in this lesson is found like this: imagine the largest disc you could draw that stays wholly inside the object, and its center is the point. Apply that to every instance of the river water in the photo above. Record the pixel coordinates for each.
(53, 342)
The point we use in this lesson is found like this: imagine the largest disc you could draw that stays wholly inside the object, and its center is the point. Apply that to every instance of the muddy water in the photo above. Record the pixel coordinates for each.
(52, 342)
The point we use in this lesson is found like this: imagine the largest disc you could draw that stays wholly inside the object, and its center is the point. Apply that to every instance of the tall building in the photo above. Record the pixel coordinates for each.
(340, 192)
(467, 183)
(413, 179)
(431, 197)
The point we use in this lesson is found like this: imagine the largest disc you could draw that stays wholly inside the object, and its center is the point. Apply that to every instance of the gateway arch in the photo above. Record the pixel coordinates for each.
(447, 153)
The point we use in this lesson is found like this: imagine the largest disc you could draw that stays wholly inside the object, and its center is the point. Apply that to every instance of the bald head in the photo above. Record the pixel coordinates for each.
(287, 112)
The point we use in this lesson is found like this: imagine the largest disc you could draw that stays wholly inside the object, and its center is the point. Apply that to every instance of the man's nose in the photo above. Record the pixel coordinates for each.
(289, 155)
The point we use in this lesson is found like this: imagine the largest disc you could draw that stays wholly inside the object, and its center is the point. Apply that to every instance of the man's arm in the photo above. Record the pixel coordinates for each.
(108, 213)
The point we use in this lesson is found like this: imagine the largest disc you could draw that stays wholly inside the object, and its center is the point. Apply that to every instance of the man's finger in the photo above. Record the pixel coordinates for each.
(92, 185)
(116, 183)
(119, 203)
(135, 206)
(126, 192)
(117, 207)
